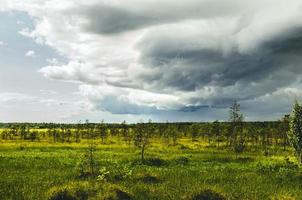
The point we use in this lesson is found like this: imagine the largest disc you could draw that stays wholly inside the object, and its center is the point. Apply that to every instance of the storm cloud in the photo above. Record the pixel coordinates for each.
(156, 57)
(226, 74)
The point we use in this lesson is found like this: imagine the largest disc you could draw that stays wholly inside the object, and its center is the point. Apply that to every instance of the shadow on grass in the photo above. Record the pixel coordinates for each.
(229, 159)
(149, 179)
(156, 162)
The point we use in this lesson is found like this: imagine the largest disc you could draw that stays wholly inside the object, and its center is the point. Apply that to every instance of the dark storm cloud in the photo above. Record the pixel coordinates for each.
(276, 63)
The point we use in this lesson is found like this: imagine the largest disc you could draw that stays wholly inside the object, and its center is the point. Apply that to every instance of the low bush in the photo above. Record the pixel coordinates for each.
(115, 172)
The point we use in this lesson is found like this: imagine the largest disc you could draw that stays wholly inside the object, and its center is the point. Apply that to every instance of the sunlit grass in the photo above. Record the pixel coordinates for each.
(29, 169)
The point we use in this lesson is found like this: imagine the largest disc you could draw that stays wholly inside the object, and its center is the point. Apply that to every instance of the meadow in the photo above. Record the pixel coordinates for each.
(44, 169)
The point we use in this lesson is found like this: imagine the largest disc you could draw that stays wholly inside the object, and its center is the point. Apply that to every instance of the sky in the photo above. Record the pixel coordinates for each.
(134, 60)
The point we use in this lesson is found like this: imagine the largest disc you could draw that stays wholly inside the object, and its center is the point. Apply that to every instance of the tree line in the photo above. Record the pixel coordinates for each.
(235, 134)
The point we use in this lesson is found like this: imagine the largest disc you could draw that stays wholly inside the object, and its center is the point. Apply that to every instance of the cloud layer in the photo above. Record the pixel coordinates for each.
(148, 57)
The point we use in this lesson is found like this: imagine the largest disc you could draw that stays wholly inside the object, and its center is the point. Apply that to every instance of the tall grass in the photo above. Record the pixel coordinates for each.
(28, 170)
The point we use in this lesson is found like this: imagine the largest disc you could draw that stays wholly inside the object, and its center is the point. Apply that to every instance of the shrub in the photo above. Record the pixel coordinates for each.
(295, 131)
(115, 172)
(87, 165)
(280, 170)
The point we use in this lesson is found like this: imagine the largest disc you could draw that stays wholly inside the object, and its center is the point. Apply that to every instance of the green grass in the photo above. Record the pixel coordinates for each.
(29, 170)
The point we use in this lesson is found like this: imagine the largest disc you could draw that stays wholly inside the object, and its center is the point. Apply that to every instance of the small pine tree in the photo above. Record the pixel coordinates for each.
(86, 167)
(141, 138)
(215, 129)
(236, 119)
(103, 132)
(295, 132)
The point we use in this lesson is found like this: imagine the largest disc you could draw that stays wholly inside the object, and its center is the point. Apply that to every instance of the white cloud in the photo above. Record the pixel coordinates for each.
(30, 53)
(48, 92)
(20, 22)
(53, 61)
(22, 107)
(2, 43)
(15, 97)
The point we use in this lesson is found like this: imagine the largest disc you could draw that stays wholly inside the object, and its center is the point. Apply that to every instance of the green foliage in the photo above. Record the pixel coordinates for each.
(29, 173)
(234, 113)
(115, 172)
(284, 170)
(236, 128)
(295, 132)
(142, 137)
(87, 165)
(29, 168)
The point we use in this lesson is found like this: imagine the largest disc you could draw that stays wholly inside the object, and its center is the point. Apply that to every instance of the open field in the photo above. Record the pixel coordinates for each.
(31, 170)
(150, 100)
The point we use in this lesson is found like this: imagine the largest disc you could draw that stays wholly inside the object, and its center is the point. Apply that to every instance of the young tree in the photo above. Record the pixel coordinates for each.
(166, 133)
(77, 132)
(87, 165)
(170, 133)
(62, 132)
(215, 129)
(236, 118)
(295, 132)
(141, 137)
(173, 133)
(284, 126)
(126, 132)
(23, 132)
(194, 132)
(33, 135)
(103, 131)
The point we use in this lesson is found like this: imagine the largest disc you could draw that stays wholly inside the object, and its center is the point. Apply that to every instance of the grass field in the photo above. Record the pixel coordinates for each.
(31, 170)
